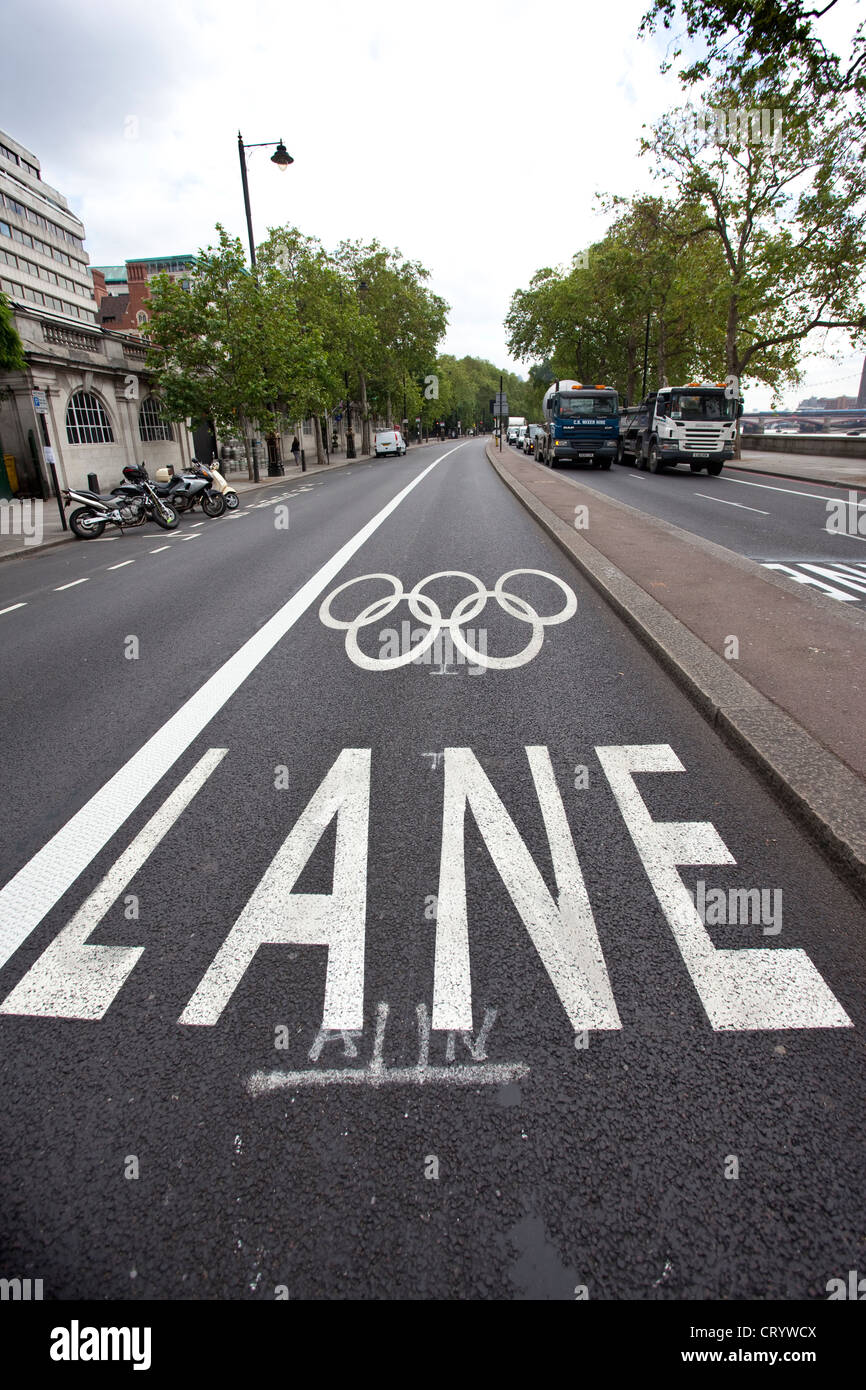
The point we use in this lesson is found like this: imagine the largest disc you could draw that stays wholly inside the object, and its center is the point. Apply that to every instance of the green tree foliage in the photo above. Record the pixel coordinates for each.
(784, 215)
(11, 350)
(761, 40)
(589, 321)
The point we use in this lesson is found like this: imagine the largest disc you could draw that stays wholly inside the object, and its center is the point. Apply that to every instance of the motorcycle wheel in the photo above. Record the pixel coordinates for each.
(213, 503)
(231, 500)
(85, 533)
(169, 522)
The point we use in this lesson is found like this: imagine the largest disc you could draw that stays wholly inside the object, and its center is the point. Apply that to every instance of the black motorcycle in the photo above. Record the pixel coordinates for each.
(131, 504)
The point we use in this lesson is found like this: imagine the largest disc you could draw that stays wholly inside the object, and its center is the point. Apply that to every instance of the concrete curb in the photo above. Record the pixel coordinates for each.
(823, 794)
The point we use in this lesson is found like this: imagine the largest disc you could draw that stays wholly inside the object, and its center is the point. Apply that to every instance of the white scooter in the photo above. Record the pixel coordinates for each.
(228, 492)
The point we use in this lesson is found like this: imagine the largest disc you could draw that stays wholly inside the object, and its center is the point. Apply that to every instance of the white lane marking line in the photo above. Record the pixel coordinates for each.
(72, 979)
(751, 988)
(198, 523)
(121, 565)
(792, 492)
(262, 1083)
(189, 538)
(160, 549)
(811, 580)
(723, 502)
(71, 585)
(12, 607)
(43, 880)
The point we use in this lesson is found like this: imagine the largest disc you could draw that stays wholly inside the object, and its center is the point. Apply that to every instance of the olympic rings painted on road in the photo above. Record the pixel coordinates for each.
(427, 611)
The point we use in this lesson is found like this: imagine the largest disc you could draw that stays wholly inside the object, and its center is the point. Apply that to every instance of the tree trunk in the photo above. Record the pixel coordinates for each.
(317, 431)
(662, 351)
(365, 420)
(248, 449)
(631, 368)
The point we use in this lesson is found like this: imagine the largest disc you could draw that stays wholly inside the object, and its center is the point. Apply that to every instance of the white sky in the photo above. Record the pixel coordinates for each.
(437, 128)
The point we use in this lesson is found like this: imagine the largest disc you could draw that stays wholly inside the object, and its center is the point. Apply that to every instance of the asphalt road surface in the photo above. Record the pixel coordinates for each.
(333, 973)
(773, 520)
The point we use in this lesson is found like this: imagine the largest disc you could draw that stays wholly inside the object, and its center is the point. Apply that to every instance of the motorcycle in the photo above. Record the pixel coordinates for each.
(185, 490)
(132, 504)
(225, 489)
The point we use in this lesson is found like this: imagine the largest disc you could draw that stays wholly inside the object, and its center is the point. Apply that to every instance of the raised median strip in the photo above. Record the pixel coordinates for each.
(791, 703)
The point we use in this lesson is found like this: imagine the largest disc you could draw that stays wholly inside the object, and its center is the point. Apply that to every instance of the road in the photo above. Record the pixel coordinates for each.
(773, 520)
(281, 1019)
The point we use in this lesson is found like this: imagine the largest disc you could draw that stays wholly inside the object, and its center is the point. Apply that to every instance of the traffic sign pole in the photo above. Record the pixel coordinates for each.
(40, 405)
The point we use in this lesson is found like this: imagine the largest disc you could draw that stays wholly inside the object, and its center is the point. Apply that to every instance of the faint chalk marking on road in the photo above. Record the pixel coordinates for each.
(376, 1073)
(748, 988)
(72, 979)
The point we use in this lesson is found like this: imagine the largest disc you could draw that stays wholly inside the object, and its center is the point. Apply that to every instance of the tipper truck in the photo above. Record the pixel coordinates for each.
(694, 424)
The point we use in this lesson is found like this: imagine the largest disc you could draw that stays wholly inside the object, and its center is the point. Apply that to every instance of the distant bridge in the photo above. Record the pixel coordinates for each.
(806, 421)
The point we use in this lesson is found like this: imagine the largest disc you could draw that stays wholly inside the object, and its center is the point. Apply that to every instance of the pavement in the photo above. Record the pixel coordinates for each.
(791, 699)
(809, 468)
(308, 949)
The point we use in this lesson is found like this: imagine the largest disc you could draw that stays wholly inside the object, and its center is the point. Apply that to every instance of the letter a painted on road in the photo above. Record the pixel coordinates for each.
(276, 915)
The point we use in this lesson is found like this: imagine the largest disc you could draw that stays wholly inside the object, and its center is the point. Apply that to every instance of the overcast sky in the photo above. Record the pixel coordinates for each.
(471, 135)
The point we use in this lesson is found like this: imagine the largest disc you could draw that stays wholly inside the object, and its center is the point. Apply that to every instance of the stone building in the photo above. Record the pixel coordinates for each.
(101, 413)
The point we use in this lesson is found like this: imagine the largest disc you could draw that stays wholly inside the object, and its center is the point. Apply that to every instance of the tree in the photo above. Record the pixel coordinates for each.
(401, 322)
(231, 347)
(772, 41)
(11, 349)
(785, 215)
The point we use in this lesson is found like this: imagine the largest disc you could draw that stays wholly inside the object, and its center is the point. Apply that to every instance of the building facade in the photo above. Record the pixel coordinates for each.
(124, 294)
(101, 413)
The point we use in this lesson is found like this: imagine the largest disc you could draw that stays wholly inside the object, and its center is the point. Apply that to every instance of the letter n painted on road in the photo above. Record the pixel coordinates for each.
(563, 932)
(745, 988)
(275, 915)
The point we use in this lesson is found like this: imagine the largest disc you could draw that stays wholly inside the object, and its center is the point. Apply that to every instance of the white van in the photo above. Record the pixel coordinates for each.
(389, 442)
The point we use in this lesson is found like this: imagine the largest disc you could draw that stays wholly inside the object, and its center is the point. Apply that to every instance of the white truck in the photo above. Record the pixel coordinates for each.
(694, 424)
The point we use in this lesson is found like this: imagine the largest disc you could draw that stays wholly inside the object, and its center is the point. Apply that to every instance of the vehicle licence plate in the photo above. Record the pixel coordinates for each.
(701, 456)
(584, 456)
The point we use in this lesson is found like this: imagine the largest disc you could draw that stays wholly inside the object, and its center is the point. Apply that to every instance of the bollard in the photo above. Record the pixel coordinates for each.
(93, 482)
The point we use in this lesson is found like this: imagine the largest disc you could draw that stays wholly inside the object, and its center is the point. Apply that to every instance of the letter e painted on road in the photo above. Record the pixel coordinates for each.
(744, 988)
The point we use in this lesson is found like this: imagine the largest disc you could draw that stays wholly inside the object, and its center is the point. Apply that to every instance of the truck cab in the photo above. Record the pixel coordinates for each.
(581, 425)
(695, 424)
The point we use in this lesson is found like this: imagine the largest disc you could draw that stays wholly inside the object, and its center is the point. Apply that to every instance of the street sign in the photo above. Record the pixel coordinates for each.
(49, 454)
(40, 403)
(500, 404)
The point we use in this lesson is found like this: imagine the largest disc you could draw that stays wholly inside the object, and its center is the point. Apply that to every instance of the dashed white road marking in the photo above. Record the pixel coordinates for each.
(70, 585)
(724, 503)
(160, 549)
(43, 880)
(792, 492)
(122, 565)
(12, 607)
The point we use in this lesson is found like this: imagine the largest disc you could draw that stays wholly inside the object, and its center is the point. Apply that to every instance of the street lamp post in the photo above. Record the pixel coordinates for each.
(282, 159)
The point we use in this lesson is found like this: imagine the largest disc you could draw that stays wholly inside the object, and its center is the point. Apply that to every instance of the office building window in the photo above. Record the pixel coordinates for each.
(86, 420)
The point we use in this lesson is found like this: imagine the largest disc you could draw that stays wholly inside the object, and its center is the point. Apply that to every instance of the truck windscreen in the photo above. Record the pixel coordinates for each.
(699, 405)
(593, 406)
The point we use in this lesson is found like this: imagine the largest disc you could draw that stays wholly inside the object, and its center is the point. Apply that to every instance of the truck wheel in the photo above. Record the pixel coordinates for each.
(620, 453)
(714, 469)
(605, 463)
(695, 467)
(653, 459)
(640, 459)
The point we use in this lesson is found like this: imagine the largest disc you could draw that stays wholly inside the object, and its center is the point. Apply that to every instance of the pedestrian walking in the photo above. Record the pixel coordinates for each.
(296, 449)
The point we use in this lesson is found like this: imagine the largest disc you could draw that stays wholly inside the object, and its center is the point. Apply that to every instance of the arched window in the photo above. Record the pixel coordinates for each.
(151, 425)
(86, 420)
(141, 317)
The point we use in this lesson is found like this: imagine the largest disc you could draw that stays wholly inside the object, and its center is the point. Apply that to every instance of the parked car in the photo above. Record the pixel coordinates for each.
(389, 442)
(529, 438)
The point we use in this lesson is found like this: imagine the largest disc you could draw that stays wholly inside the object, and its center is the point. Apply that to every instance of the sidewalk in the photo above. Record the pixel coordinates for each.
(14, 544)
(793, 701)
(806, 468)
